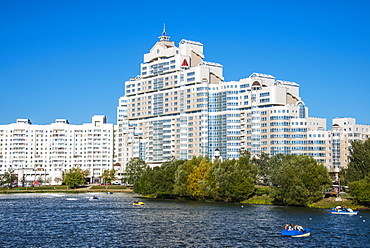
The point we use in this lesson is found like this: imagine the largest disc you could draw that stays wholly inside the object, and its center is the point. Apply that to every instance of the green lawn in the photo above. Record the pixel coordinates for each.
(109, 187)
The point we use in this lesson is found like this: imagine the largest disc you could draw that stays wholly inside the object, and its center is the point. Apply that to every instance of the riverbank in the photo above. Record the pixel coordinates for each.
(329, 202)
(64, 189)
(257, 199)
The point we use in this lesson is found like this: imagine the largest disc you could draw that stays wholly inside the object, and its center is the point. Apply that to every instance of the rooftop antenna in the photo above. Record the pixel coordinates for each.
(164, 36)
(164, 29)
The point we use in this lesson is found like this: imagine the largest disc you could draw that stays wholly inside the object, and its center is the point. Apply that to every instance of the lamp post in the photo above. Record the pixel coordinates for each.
(23, 177)
(45, 175)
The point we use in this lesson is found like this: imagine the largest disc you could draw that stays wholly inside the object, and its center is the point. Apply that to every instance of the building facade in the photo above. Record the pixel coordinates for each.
(180, 106)
(43, 152)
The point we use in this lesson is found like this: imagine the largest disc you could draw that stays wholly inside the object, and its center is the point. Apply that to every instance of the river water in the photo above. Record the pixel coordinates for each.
(71, 220)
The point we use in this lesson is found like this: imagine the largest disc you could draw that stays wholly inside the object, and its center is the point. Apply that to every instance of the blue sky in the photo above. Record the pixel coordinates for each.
(69, 59)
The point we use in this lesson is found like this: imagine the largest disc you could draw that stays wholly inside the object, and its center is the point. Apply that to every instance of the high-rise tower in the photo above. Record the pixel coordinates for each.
(167, 104)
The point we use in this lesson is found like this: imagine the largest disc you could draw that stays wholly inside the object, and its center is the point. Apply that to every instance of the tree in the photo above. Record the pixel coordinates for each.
(146, 184)
(298, 180)
(232, 180)
(242, 179)
(58, 180)
(262, 162)
(75, 177)
(359, 161)
(219, 180)
(197, 181)
(134, 170)
(159, 180)
(108, 176)
(182, 174)
(23, 179)
(360, 190)
(8, 178)
(168, 170)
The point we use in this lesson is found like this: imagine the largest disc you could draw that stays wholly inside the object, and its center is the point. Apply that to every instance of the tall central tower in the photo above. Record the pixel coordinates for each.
(166, 106)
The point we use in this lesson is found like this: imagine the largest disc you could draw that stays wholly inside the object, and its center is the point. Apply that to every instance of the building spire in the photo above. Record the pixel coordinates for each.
(164, 29)
(164, 36)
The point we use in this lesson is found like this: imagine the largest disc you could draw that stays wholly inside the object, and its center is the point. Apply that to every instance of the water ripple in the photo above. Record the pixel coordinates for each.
(47, 220)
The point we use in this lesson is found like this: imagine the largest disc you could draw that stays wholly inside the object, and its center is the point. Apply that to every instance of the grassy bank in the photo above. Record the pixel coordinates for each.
(261, 196)
(324, 203)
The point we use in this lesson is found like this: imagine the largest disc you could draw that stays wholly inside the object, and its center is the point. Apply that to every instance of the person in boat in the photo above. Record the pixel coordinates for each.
(299, 228)
(95, 197)
(337, 208)
(288, 227)
(347, 209)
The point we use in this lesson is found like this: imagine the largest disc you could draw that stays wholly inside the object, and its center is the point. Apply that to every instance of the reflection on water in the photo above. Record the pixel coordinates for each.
(70, 220)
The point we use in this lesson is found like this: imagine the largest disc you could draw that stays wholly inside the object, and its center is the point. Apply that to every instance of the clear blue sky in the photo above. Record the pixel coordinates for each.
(70, 58)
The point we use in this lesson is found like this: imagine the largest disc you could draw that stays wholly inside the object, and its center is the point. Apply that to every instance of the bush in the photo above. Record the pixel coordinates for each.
(262, 191)
(360, 191)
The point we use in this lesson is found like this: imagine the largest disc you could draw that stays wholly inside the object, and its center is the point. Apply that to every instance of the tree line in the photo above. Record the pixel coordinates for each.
(294, 179)
(357, 175)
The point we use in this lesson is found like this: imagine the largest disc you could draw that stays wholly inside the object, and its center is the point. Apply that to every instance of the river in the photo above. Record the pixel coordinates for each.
(71, 220)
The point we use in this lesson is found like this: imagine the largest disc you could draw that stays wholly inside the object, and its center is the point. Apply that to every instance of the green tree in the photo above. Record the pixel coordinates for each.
(220, 180)
(159, 180)
(360, 190)
(168, 170)
(275, 162)
(181, 177)
(8, 178)
(298, 180)
(134, 170)
(108, 176)
(75, 177)
(243, 179)
(262, 162)
(146, 183)
(232, 180)
(359, 161)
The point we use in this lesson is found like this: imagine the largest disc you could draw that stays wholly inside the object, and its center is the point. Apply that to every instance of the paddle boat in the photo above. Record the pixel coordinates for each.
(296, 233)
(94, 198)
(343, 210)
(109, 193)
(138, 203)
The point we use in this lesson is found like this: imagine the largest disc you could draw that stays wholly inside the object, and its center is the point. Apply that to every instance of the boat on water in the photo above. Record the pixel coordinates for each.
(138, 203)
(343, 210)
(109, 193)
(71, 199)
(94, 198)
(296, 233)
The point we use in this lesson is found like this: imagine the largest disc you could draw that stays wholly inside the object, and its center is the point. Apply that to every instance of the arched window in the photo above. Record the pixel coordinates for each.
(256, 85)
(302, 110)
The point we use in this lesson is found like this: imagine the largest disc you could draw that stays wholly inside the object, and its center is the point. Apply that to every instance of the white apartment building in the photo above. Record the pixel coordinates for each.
(344, 131)
(180, 106)
(46, 151)
(165, 108)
